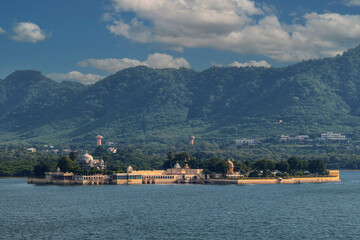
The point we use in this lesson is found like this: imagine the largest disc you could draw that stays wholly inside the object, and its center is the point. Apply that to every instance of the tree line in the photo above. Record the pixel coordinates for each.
(259, 168)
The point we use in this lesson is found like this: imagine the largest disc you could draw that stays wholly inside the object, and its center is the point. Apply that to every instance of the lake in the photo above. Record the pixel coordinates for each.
(297, 211)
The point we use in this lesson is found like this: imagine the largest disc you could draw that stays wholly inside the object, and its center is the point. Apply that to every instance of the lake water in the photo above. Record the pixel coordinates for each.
(300, 211)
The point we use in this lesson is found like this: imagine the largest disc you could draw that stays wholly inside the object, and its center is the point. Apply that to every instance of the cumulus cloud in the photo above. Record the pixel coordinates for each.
(156, 60)
(2, 30)
(252, 63)
(159, 60)
(28, 32)
(75, 76)
(235, 25)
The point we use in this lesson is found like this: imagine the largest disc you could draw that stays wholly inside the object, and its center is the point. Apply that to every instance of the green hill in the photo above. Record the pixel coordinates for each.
(163, 106)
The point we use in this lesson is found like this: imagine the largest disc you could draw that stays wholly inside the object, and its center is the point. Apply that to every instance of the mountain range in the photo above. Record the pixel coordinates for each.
(148, 106)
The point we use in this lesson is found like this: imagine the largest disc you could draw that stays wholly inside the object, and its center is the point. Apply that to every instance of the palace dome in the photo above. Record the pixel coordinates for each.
(177, 166)
(86, 158)
(129, 169)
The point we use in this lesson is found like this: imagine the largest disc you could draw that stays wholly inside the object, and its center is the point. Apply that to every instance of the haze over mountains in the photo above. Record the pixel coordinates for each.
(163, 106)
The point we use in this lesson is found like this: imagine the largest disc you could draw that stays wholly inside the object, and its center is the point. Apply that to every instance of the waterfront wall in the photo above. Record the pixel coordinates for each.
(97, 179)
(289, 180)
(321, 179)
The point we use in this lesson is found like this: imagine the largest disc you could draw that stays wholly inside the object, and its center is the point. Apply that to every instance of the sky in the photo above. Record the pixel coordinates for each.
(87, 40)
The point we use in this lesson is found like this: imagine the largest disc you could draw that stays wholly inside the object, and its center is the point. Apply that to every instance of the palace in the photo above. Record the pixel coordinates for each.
(170, 176)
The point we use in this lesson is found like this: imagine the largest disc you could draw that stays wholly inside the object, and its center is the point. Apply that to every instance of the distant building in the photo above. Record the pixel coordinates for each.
(246, 141)
(112, 150)
(31, 149)
(301, 137)
(98, 140)
(88, 162)
(284, 138)
(296, 138)
(332, 136)
(191, 140)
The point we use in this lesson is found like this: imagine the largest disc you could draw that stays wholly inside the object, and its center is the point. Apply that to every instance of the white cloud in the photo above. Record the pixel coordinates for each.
(252, 63)
(156, 60)
(28, 32)
(352, 2)
(234, 25)
(75, 76)
(159, 60)
(2, 30)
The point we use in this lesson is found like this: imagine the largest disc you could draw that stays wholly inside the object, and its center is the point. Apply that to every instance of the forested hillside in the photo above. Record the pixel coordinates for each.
(145, 106)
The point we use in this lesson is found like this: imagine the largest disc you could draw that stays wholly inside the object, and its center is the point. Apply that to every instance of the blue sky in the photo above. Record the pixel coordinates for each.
(85, 40)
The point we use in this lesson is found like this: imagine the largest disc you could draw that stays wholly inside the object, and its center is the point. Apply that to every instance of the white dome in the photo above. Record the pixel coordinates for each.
(177, 166)
(129, 169)
(86, 158)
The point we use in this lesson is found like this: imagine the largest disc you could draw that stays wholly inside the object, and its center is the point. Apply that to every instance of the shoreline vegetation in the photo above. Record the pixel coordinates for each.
(15, 161)
(22, 164)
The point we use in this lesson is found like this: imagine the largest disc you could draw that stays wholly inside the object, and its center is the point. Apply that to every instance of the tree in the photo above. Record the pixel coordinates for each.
(317, 166)
(65, 164)
(283, 166)
(222, 167)
(303, 165)
(294, 164)
(211, 164)
(249, 164)
(41, 168)
(181, 157)
(99, 151)
(73, 156)
(240, 167)
(264, 165)
(170, 156)
(105, 159)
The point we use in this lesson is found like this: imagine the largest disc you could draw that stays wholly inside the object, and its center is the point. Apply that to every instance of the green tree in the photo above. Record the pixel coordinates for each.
(283, 166)
(240, 167)
(41, 168)
(73, 156)
(65, 164)
(317, 166)
(294, 164)
(211, 164)
(222, 167)
(170, 156)
(249, 164)
(99, 151)
(264, 165)
(105, 159)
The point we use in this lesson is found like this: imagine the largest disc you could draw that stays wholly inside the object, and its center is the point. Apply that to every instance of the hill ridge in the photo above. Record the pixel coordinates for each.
(142, 105)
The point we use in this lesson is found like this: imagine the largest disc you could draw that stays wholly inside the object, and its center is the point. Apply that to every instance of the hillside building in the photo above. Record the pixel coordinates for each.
(332, 136)
(112, 150)
(246, 141)
(31, 149)
(300, 138)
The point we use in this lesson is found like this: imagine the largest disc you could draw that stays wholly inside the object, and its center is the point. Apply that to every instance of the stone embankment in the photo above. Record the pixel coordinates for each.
(275, 180)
